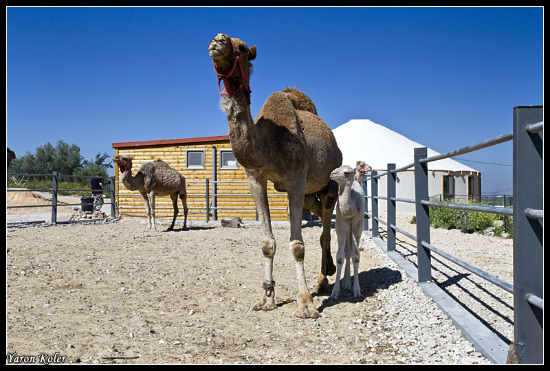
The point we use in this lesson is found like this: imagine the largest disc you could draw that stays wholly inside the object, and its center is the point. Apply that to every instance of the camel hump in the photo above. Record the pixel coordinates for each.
(282, 109)
(300, 100)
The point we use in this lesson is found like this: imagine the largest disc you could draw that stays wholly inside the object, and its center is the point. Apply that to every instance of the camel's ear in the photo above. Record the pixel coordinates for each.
(252, 53)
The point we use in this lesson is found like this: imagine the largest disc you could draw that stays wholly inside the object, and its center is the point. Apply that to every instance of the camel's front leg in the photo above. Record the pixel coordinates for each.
(152, 196)
(347, 271)
(147, 208)
(296, 202)
(341, 232)
(258, 188)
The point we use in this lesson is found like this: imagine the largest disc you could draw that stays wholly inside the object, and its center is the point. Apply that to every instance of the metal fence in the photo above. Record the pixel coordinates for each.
(527, 212)
(488, 199)
(21, 179)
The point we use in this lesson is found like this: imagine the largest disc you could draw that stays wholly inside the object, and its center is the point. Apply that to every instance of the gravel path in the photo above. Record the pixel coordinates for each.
(490, 303)
(94, 292)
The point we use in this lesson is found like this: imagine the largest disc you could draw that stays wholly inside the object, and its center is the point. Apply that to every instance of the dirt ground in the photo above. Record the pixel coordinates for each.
(118, 293)
(95, 291)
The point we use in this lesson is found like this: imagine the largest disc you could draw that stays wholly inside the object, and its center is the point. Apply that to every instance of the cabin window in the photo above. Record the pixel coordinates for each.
(195, 159)
(228, 160)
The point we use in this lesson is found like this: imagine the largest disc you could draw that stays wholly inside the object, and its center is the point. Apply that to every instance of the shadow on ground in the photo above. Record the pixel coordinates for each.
(371, 282)
(194, 228)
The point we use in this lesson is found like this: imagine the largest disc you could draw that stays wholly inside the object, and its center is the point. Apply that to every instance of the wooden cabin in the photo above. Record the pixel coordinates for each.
(217, 185)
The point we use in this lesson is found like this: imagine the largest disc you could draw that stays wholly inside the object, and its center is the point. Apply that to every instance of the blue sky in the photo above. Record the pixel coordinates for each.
(445, 77)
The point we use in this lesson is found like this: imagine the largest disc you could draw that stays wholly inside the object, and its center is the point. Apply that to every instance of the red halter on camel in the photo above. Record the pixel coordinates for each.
(228, 92)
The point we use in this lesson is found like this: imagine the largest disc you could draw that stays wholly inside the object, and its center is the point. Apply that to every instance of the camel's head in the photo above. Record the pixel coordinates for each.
(124, 163)
(224, 51)
(362, 168)
(342, 175)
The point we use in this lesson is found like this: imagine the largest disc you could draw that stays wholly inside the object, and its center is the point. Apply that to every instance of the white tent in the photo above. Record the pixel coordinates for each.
(377, 146)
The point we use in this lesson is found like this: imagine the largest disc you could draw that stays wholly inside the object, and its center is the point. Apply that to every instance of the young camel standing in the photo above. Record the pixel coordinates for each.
(155, 178)
(350, 209)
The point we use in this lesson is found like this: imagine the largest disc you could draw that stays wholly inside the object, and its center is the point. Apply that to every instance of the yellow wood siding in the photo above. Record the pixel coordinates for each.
(131, 203)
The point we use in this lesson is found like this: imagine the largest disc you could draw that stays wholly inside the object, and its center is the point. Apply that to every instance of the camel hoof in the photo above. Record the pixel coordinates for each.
(266, 304)
(305, 307)
(322, 287)
(307, 312)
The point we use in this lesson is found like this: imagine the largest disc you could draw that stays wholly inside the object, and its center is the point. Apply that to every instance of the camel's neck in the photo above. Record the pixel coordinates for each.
(132, 183)
(346, 203)
(242, 130)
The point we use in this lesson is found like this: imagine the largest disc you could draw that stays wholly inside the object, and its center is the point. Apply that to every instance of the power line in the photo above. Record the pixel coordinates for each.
(483, 162)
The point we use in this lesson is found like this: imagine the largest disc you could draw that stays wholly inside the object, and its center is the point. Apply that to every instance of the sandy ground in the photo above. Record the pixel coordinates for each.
(115, 293)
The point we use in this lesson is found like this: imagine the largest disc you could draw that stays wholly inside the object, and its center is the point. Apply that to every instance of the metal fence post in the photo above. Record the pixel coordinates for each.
(365, 191)
(113, 201)
(374, 198)
(528, 236)
(54, 197)
(391, 207)
(422, 215)
(207, 201)
(214, 185)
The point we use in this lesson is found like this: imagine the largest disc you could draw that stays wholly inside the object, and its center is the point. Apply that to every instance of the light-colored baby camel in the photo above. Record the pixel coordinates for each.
(350, 210)
(155, 178)
(289, 145)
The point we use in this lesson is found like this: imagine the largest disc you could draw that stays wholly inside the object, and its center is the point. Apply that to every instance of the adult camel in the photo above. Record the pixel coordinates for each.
(289, 145)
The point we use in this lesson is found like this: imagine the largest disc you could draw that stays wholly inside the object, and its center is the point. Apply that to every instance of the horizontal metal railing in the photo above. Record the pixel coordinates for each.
(535, 128)
(403, 232)
(534, 214)
(527, 193)
(486, 276)
(484, 209)
(535, 300)
(472, 148)
(55, 190)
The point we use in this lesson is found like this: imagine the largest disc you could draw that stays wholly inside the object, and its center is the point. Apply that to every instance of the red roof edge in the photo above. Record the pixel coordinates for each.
(163, 142)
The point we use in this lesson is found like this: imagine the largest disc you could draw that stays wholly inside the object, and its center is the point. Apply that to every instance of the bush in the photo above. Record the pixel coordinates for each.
(479, 221)
(442, 217)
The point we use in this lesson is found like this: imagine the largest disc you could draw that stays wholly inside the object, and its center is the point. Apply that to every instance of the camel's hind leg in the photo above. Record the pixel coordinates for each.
(324, 206)
(174, 197)
(357, 230)
(183, 197)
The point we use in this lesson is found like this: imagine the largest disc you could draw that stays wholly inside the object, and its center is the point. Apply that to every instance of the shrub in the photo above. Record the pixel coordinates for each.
(442, 217)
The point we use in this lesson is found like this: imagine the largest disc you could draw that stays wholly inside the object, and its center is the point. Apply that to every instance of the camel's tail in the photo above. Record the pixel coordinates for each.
(300, 100)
